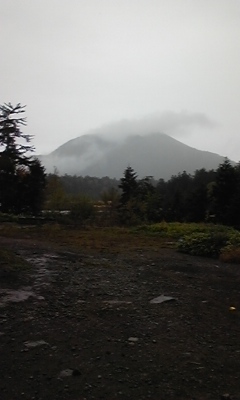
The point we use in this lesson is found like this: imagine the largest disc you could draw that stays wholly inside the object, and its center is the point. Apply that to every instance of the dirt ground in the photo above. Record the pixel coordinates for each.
(81, 326)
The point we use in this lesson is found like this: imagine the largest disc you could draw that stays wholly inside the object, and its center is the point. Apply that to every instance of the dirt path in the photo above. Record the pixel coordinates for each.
(81, 326)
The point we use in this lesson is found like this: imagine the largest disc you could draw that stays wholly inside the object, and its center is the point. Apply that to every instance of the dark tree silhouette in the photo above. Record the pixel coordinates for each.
(128, 185)
(224, 191)
(22, 178)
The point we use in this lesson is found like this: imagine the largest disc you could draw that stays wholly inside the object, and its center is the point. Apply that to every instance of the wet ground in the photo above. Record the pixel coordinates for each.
(137, 325)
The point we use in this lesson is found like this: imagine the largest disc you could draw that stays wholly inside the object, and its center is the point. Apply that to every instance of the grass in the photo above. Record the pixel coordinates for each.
(197, 239)
(110, 239)
(10, 263)
(230, 255)
(175, 230)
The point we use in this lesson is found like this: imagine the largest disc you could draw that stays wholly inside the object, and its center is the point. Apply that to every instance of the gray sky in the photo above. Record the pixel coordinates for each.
(81, 64)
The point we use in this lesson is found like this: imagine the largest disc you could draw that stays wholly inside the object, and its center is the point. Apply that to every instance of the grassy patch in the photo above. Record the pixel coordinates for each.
(203, 244)
(230, 255)
(207, 240)
(8, 217)
(197, 239)
(223, 243)
(12, 265)
(109, 239)
(175, 230)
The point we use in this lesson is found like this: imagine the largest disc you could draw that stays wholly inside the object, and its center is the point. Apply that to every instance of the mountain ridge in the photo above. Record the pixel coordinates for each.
(155, 154)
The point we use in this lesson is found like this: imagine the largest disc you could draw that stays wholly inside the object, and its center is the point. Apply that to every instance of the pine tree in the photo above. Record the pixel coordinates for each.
(128, 185)
(223, 191)
(22, 178)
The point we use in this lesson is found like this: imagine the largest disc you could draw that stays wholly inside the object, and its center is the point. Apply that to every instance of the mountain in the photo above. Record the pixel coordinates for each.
(74, 156)
(155, 154)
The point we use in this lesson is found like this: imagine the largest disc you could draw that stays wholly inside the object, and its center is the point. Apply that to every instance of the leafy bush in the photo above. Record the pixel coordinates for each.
(8, 217)
(223, 242)
(203, 244)
(81, 209)
(176, 230)
(231, 252)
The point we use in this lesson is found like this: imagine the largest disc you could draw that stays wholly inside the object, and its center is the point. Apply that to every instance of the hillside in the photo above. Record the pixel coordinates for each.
(155, 154)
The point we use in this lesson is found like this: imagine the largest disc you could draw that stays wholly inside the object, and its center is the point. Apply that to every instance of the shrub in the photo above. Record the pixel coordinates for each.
(203, 244)
(81, 209)
(231, 252)
(176, 230)
(8, 217)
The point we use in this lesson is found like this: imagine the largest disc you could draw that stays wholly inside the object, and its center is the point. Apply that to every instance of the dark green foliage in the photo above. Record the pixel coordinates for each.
(203, 244)
(185, 197)
(110, 196)
(128, 186)
(139, 201)
(206, 196)
(212, 196)
(22, 178)
(213, 242)
(87, 186)
(56, 199)
(196, 204)
(226, 194)
(33, 187)
(81, 209)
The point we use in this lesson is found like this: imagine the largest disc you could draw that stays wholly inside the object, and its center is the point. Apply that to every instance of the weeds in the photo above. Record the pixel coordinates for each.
(11, 264)
(207, 240)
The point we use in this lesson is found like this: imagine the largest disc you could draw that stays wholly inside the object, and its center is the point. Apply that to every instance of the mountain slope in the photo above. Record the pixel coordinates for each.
(155, 154)
(77, 154)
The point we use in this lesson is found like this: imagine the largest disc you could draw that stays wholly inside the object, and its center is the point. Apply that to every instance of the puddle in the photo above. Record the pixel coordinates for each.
(162, 299)
(31, 345)
(43, 275)
(16, 296)
(117, 302)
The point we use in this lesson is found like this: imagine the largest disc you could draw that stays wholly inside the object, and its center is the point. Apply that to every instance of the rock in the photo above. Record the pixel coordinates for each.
(162, 299)
(65, 373)
(69, 372)
(116, 302)
(76, 372)
(133, 339)
(35, 344)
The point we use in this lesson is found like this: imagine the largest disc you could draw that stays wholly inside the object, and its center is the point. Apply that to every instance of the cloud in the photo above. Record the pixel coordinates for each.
(176, 124)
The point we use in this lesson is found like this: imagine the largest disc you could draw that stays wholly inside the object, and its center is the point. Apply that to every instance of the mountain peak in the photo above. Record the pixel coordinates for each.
(155, 154)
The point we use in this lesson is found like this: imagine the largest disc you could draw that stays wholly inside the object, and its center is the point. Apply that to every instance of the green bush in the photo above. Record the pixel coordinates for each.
(231, 251)
(203, 244)
(176, 230)
(81, 209)
(8, 217)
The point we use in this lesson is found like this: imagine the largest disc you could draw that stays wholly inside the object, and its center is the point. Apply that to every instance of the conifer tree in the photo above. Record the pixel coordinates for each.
(22, 177)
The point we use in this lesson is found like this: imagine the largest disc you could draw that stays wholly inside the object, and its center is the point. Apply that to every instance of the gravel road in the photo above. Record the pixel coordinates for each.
(83, 326)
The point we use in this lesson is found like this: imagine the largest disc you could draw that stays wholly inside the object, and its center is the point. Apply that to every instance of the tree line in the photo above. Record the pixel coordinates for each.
(25, 188)
(206, 196)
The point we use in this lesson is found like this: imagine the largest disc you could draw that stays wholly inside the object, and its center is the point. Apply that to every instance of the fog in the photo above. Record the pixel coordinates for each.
(174, 124)
(133, 65)
(148, 144)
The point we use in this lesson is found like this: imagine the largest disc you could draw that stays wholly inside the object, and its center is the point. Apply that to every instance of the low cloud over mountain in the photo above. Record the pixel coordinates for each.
(107, 151)
(171, 123)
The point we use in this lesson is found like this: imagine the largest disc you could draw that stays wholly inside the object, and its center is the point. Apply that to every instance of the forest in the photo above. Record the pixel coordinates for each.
(26, 189)
(205, 196)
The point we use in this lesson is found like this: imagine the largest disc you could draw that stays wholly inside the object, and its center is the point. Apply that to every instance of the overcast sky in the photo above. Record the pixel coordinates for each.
(81, 64)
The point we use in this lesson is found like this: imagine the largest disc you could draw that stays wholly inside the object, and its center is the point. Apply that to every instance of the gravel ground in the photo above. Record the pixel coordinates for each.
(82, 326)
